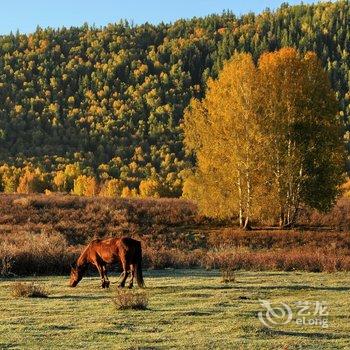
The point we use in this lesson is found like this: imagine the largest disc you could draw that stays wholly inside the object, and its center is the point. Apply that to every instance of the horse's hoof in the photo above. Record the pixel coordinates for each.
(120, 286)
(107, 283)
(130, 286)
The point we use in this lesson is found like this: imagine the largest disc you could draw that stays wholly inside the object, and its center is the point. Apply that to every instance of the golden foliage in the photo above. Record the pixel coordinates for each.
(85, 186)
(129, 193)
(257, 135)
(30, 182)
(150, 188)
(112, 188)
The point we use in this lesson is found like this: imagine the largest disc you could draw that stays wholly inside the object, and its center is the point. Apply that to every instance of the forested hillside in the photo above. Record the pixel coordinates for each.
(108, 103)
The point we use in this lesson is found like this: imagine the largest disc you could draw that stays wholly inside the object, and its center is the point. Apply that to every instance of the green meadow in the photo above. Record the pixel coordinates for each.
(188, 309)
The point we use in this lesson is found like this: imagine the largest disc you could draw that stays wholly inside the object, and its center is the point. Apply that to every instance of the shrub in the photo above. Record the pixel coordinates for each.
(6, 266)
(28, 290)
(228, 275)
(23, 201)
(39, 253)
(127, 299)
(44, 234)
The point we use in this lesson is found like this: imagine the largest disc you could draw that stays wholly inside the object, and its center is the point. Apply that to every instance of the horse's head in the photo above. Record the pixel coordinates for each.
(76, 274)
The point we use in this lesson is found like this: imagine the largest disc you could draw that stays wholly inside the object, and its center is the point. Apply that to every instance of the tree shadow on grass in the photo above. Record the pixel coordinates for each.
(259, 274)
(195, 313)
(78, 297)
(202, 288)
(186, 312)
(319, 335)
(105, 332)
(60, 327)
(305, 286)
(4, 346)
(251, 288)
(180, 273)
(175, 273)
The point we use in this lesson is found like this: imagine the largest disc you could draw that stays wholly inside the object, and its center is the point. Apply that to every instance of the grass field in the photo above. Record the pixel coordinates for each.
(187, 309)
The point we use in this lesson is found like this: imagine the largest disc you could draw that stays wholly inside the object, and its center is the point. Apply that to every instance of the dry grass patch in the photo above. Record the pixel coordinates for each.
(28, 290)
(228, 275)
(133, 300)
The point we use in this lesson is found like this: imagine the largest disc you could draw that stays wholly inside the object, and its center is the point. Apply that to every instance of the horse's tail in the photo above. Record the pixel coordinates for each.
(138, 256)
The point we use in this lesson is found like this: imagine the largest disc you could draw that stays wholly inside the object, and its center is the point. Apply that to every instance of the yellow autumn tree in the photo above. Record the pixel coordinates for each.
(303, 146)
(150, 188)
(31, 182)
(129, 193)
(112, 188)
(59, 181)
(9, 178)
(85, 186)
(63, 180)
(66, 180)
(223, 131)
(91, 187)
(265, 136)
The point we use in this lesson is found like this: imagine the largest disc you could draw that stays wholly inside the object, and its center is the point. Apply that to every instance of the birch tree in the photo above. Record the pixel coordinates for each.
(266, 139)
(302, 133)
(223, 131)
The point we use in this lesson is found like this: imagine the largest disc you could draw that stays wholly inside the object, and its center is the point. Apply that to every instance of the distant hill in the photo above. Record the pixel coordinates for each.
(111, 100)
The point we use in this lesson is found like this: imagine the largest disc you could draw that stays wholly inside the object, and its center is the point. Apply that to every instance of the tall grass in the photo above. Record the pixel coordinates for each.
(45, 234)
(35, 254)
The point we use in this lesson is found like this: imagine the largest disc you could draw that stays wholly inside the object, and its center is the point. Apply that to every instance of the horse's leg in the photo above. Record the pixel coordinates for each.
(101, 272)
(107, 283)
(132, 269)
(124, 274)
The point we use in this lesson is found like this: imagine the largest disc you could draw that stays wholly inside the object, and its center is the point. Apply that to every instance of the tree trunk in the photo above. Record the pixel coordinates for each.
(240, 200)
(247, 225)
(247, 218)
(281, 220)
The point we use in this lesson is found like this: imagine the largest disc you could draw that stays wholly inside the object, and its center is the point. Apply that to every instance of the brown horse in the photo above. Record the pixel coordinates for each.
(108, 251)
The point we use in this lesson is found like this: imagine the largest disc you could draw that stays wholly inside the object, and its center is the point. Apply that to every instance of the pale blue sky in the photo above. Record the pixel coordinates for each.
(25, 15)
